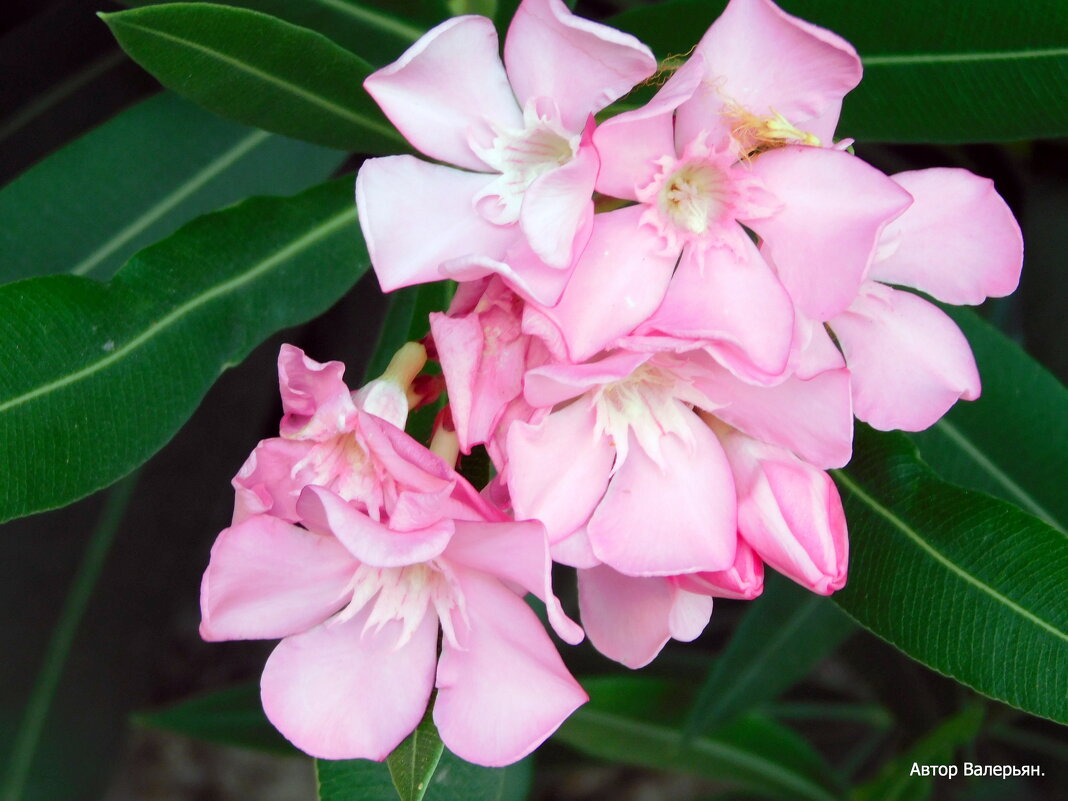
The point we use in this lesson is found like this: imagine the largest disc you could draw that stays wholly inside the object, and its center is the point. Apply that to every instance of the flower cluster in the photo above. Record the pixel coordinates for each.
(663, 328)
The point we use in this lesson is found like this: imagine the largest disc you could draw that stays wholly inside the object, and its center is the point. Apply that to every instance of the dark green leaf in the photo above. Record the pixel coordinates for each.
(454, 780)
(629, 720)
(99, 376)
(784, 634)
(967, 584)
(377, 31)
(231, 717)
(413, 762)
(258, 70)
(1011, 442)
(896, 781)
(135, 180)
(934, 70)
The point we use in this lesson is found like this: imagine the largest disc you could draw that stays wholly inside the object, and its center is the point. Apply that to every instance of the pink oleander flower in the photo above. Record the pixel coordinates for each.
(356, 546)
(959, 243)
(817, 211)
(520, 134)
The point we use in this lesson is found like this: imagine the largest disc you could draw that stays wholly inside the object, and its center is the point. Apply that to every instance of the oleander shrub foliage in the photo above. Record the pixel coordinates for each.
(669, 398)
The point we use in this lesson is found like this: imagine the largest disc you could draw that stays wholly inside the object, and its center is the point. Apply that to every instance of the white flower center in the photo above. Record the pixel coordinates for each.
(406, 594)
(650, 402)
(521, 157)
(695, 196)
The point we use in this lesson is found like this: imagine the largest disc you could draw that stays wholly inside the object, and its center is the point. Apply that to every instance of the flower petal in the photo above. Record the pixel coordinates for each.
(626, 618)
(395, 193)
(447, 85)
(958, 242)
(557, 206)
(316, 402)
(736, 307)
(660, 522)
(909, 362)
(558, 470)
(517, 553)
(766, 61)
(823, 238)
(582, 65)
(268, 578)
(743, 581)
(617, 283)
(372, 543)
(339, 692)
(505, 689)
(631, 143)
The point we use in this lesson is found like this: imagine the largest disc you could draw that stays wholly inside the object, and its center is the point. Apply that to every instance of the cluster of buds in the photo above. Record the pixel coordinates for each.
(661, 387)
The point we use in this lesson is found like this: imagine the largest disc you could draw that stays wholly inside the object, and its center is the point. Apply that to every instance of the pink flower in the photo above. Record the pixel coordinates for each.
(382, 548)
(521, 134)
(959, 243)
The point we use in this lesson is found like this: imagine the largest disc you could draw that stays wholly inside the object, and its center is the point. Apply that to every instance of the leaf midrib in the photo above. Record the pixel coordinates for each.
(971, 450)
(911, 533)
(955, 58)
(309, 96)
(711, 747)
(384, 21)
(321, 231)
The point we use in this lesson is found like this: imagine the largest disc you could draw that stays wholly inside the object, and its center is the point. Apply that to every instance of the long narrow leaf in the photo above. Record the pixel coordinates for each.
(138, 178)
(257, 69)
(965, 583)
(100, 376)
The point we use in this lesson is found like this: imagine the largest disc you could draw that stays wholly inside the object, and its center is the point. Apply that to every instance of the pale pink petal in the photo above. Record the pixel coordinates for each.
(558, 470)
(315, 400)
(339, 692)
(523, 272)
(505, 689)
(736, 307)
(395, 193)
(582, 65)
(266, 482)
(630, 143)
(551, 384)
(372, 543)
(811, 417)
(958, 242)
(659, 522)
(790, 512)
(743, 581)
(816, 352)
(766, 61)
(517, 553)
(383, 398)
(557, 205)
(447, 85)
(689, 616)
(618, 281)
(626, 618)
(575, 550)
(268, 578)
(823, 238)
(909, 362)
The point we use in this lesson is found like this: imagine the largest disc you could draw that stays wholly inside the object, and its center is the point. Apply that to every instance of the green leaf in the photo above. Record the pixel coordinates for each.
(413, 762)
(629, 720)
(138, 178)
(258, 70)
(232, 716)
(896, 781)
(934, 71)
(378, 32)
(454, 780)
(1010, 442)
(783, 635)
(99, 376)
(967, 584)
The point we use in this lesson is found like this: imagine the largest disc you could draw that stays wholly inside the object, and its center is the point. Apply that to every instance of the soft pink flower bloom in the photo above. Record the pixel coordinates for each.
(959, 243)
(523, 127)
(392, 546)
